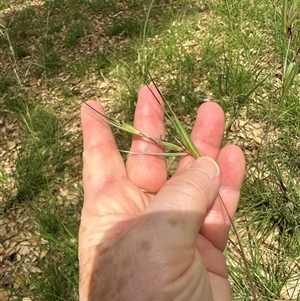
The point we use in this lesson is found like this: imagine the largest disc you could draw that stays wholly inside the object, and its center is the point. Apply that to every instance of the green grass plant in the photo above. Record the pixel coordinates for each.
(243, 55)
(75, 32)
(127, 27)
(104, 6)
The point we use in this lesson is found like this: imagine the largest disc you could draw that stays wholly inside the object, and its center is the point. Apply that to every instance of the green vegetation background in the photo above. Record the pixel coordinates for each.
(243, 54)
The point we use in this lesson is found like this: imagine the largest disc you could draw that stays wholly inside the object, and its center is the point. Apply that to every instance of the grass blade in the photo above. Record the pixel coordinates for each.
(183, 137)
(155, 154)
(126, 127)
(284, 16)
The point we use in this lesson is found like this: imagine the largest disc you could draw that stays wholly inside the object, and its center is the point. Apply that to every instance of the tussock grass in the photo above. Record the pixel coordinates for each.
(243, 55)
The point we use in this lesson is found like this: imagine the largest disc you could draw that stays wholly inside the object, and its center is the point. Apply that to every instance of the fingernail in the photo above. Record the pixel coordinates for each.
(208, 165)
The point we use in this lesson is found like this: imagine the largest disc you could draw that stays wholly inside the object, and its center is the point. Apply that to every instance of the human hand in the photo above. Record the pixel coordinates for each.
(145, 238)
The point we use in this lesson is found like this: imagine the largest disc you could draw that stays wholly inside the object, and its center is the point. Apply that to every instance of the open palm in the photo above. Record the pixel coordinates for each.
(143, 237)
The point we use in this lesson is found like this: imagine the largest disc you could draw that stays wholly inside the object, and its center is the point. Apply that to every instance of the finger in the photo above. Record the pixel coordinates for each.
(146, 171)
(207, 132)
(103, 164)
(217, 222)
(183, 202)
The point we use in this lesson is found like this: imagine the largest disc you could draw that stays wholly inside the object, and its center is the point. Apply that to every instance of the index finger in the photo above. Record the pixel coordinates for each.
(218, 220)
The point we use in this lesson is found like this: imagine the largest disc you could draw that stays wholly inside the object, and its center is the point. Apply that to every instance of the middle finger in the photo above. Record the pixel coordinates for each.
(207, 132)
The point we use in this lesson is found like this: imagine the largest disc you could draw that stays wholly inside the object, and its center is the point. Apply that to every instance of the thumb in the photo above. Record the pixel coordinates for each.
(181, 205)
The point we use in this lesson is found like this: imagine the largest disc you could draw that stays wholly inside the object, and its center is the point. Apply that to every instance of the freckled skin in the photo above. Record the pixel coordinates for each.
(126, 262)
(122, 267)
(173, 221)
(145, 245)
(117, 257)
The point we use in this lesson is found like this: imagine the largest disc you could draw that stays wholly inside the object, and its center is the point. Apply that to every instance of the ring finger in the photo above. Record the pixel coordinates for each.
(148, 172)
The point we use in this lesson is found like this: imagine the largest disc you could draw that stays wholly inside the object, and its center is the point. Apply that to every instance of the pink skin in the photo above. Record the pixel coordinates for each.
(163, 245)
